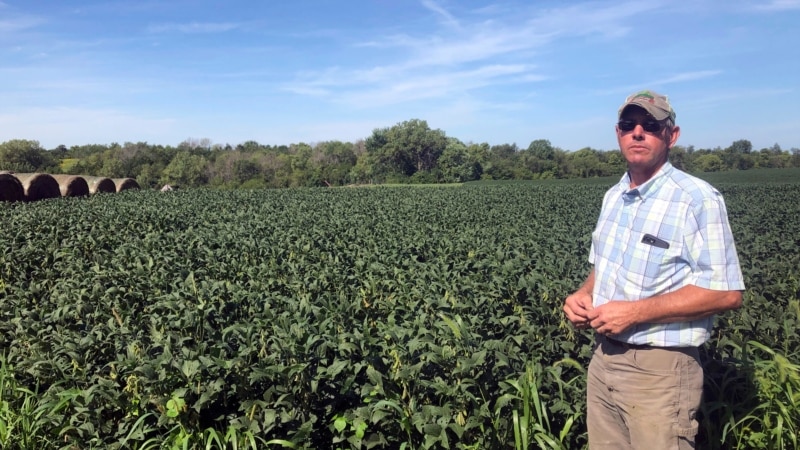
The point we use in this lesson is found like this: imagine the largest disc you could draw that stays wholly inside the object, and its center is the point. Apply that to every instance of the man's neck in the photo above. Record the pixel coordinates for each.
(640, 175)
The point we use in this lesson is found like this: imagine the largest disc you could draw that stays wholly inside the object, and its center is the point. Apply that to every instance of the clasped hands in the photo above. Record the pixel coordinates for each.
(608, 319)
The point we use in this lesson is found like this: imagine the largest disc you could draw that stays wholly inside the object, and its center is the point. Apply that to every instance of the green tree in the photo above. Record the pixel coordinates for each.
(542, 149)
(300, 155)
(88, 165)
(745, 162)
(221, 172)
(458, 164)
(185, 170)
(772, 157)
(112, 167)
(793, 157)
(60, 151)
(677, 156)
(615, 162)
(539, 159)
(586, 163)
(364, 171)
(332, 162)
(480, 153)
(742, 146)
(407, 148)
(20, 155)
(149, 176)
(737, 156)
(246, 169)
(502, 162)
(249, 147)
(277, 167)
(710, 162)
(82, 151)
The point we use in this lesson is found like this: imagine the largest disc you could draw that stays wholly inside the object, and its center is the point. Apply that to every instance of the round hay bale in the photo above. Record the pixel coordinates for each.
(11, 189)
(72, 185)
(38, 186)
(100, 184)
(123, 184)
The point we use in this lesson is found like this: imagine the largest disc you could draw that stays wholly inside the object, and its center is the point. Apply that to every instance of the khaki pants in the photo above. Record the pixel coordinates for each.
(643, 398)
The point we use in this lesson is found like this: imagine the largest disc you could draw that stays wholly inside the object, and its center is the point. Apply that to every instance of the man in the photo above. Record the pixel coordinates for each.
(664, 262)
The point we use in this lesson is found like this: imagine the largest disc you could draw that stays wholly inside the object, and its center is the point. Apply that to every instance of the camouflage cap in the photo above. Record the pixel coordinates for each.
(655, 104)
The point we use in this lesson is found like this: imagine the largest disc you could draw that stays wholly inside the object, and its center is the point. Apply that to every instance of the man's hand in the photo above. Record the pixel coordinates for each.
(613, 317)
(578, 307)
(683, 305)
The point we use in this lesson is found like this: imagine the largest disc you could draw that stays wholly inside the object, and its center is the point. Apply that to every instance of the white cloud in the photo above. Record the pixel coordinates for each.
(193, 27)
(426, 86)
(71, 126)
(688, 76)
(658, 83)
(486, 48)
(18, 24)
(382, 86)
(448, 19)
(777, 5)
(717, 98)
(316, 131)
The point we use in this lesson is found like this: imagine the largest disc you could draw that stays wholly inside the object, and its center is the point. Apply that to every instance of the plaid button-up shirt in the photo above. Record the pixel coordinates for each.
(670, 232)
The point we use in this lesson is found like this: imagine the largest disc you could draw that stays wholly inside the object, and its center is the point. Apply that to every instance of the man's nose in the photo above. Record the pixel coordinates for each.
(638, 132)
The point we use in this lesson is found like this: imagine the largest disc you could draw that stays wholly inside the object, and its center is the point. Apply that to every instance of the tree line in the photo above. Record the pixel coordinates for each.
(408, 152)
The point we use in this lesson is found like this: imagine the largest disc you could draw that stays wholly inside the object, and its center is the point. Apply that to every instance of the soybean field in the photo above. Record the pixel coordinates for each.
(353, 318)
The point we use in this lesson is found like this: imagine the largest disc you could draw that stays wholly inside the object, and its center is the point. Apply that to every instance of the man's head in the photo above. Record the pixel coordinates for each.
(645, 131)
(655, 104)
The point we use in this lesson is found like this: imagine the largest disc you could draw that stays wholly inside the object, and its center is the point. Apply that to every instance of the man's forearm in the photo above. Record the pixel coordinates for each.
(686, 304)
(588, 285)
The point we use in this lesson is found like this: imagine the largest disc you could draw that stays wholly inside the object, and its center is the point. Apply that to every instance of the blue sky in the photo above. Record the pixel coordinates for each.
(282, 72)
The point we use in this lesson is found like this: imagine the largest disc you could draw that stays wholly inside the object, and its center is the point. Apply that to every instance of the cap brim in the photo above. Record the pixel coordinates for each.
(655, 112)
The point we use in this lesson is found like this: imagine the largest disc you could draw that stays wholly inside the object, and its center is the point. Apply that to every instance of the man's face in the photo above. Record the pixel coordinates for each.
(643, 147)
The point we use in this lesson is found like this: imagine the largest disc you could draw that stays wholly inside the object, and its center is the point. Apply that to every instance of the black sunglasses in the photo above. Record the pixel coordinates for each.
(649, 125)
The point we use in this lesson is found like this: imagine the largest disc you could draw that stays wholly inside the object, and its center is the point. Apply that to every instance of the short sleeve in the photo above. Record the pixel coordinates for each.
(711, 248)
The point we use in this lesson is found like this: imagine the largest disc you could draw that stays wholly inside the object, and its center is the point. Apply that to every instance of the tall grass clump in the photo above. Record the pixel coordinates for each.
(753, 395)
(27, 419)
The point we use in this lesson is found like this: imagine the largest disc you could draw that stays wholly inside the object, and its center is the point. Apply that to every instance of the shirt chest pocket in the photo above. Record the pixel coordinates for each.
(656, 258)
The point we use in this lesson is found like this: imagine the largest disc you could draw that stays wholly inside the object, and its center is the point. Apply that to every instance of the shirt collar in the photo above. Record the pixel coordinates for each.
(648, 186)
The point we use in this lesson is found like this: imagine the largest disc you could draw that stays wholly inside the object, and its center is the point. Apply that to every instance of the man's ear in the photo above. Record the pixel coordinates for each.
(674, 135)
